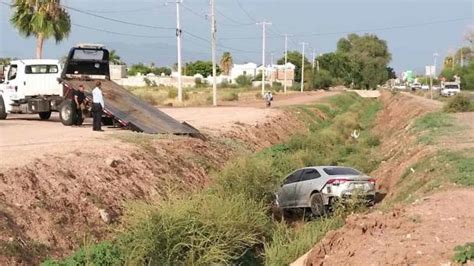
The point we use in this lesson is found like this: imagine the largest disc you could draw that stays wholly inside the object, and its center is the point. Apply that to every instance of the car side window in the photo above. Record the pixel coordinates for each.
(310, 174)
(293, 177)
(12, 72)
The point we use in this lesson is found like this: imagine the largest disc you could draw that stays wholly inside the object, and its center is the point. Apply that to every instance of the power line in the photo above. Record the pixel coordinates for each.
(117, 20)
(245, 11)
(236, 23)
(121, 33)
(385, 28)
(194, 12)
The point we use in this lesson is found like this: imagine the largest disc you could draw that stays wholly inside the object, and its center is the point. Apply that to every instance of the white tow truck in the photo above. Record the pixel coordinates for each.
(31, 87)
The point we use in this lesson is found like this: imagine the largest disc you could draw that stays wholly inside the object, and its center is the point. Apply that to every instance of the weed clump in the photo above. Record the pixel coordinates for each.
(464, 253)
(458, 103)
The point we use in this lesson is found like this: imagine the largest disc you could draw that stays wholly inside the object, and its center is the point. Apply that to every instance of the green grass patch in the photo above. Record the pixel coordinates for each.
(434, 172)
(433, 125)
(464, 253)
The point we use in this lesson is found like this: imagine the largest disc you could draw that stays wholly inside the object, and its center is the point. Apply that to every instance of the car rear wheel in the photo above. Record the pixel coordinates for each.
(316, 204)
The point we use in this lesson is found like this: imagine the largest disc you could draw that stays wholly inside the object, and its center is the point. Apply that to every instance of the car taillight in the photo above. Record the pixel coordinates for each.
(372, 181)
(337, 181)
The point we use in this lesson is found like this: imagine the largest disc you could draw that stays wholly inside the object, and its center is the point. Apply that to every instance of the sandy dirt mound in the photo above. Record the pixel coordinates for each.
(424, 233)
(399, 148)
(58, 200)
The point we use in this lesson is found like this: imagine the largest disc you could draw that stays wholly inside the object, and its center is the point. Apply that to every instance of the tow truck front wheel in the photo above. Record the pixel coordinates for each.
(45, 115)
(66, 113)
(3, 111)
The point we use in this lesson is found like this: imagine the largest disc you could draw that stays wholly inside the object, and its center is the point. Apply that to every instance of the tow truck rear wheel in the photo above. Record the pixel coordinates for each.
(3, 111)
(66, 113)
(45, 115)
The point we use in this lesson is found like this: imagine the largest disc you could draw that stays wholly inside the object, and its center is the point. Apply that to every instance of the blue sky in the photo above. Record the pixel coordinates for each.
(413, 29)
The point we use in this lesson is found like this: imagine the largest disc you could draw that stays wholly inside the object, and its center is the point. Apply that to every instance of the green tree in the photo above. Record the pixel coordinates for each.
(295, 58)
(338, 66)
(391, 73)
(42, 19)
(244, 80)
(226, 63)
(322, 79)
(199, 67)
(114, 58)
(158, 70)
(368, 58)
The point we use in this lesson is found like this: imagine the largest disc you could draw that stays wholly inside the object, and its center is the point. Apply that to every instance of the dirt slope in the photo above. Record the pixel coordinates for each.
(423, 233)
(49, 204)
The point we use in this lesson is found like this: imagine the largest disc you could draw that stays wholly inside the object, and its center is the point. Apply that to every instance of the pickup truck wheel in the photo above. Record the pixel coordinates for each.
(3, 111)
(45, 115)
(66, 113)
(316, 204)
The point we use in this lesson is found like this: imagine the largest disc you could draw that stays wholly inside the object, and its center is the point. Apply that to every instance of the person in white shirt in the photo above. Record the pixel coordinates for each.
(97, 107)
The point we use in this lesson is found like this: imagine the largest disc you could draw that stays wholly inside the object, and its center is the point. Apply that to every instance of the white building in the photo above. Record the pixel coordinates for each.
(276, 73)
(249, 69)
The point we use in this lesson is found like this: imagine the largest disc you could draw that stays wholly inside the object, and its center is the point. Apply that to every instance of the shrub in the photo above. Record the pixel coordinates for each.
(243, 80)
(232, 96)
(322, 79)
(464, 253)
(172, 93)
(147, 82)
(203, 229)
(104, 253)
(200, 83)
(458, 103)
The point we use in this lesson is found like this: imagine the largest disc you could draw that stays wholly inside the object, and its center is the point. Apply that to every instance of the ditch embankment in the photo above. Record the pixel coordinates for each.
(173, 200)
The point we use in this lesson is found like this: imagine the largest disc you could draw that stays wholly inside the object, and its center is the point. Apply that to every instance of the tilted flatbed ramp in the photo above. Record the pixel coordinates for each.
(132, 112)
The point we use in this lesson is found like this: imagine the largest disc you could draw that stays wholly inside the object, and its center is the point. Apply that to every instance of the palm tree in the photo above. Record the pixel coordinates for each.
(226, 63)
(42, 19)
(114, 58)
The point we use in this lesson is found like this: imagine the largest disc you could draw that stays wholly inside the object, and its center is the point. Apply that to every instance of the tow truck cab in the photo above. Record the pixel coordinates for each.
(31, 87)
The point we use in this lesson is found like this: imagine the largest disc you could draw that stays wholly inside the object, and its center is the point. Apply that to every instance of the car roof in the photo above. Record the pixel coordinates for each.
(321, 167)
(36, 61)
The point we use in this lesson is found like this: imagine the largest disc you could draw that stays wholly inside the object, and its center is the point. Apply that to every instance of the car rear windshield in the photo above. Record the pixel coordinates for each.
(341, 171)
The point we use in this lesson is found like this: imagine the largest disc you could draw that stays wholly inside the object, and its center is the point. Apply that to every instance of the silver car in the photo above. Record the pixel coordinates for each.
(317, 187)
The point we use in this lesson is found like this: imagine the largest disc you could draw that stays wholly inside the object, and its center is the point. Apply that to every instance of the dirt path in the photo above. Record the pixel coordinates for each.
(424, 233)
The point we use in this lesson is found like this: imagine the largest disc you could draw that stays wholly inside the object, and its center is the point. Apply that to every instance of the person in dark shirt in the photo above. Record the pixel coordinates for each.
(79, 99)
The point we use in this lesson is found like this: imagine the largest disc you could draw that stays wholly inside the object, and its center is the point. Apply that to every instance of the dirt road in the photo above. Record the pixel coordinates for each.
(24, 138)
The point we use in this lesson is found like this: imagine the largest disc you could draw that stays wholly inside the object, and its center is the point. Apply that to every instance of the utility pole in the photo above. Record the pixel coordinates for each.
(213, 47)
(286, 62)
(264, 24)
(302, 66)
(431, 75)
(178, 39)
(314, 59)
(317, 63)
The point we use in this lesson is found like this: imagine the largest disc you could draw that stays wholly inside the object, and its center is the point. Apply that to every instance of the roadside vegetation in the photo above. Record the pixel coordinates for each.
(464, 253)
(230, 222)
(459, 103)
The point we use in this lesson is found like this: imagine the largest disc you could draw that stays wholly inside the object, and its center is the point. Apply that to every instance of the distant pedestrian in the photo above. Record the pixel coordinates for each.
(97, 107)
(268, 97)
(79, 99)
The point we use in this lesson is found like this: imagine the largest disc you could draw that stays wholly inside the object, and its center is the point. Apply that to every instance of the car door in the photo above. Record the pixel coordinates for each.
(310, 180)
(286, 195)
